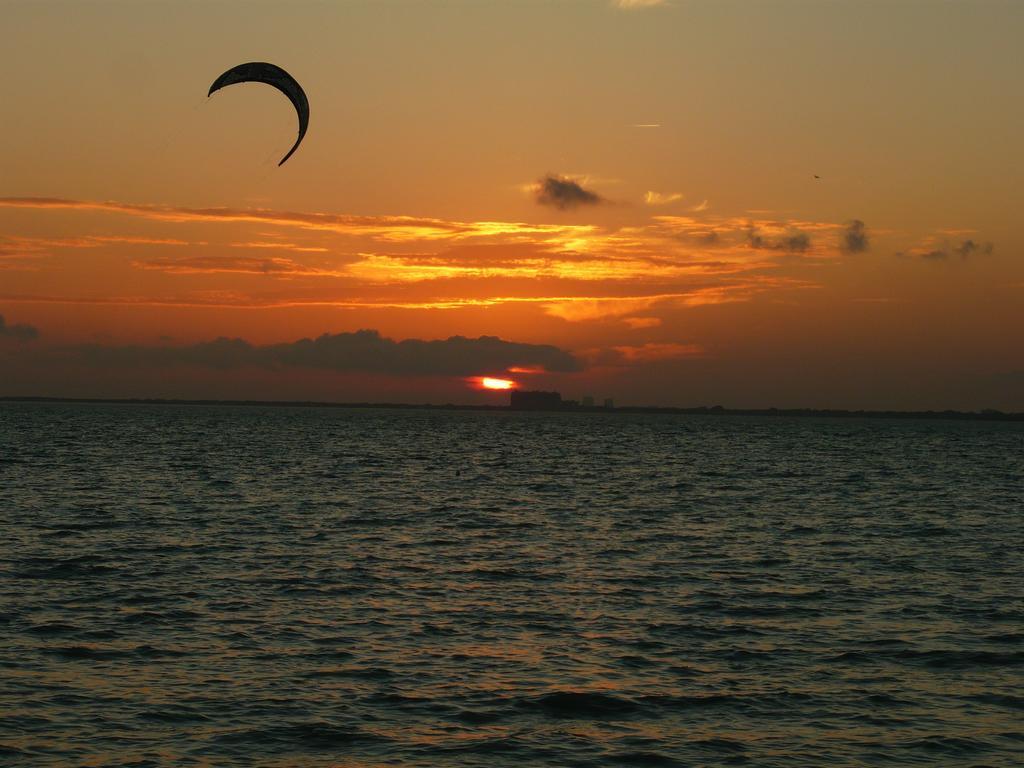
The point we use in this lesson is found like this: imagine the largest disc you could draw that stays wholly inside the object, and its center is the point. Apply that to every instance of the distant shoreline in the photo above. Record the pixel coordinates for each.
(837, 413)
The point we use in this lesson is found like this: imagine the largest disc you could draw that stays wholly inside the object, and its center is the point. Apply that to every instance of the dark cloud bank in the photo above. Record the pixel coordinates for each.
(19, 332)
(854, 238)
(795, 242)
(564, 194)
(363, 351)
(965, 250)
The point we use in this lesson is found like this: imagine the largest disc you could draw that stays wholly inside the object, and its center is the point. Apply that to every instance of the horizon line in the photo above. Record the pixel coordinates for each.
(985, 414)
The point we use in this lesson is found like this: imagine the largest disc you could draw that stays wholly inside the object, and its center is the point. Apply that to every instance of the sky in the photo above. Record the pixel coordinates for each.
(751, 204)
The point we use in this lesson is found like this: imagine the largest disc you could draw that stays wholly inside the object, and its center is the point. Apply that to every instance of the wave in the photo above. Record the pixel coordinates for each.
(299, 736)
(937, 659)
(579, 704)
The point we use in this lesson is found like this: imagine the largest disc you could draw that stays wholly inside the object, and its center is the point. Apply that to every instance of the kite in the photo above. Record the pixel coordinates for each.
(271, 74)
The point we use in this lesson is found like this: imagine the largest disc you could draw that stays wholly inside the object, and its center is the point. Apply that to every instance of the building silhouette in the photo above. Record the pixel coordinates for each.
(526, 400)
(536, 400)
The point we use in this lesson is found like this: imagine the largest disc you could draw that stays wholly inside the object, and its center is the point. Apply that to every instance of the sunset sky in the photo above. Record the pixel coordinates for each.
(684, 203)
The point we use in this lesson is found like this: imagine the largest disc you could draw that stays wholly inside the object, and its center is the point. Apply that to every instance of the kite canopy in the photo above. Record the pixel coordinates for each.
(271, 74)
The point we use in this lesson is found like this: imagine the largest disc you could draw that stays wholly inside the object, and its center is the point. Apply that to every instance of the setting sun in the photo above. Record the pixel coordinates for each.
(489, 383)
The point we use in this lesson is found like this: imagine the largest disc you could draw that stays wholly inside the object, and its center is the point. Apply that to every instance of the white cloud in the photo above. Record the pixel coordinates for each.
(631, 4)
(662, 198)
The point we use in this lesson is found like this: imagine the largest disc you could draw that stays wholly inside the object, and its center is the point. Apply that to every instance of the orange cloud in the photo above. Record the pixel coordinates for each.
(86, 241)
(636, 323)
(281, 246)
(194, 265)
(652, 352)
(581, 308)
(578, 273)
(388, 228)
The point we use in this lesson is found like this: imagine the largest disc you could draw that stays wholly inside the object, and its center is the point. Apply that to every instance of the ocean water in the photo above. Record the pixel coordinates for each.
(218, 586)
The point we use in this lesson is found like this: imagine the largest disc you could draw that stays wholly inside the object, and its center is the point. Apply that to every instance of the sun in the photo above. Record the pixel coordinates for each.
(488, 383)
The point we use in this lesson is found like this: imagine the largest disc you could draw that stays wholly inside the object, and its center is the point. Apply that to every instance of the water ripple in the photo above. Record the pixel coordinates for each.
(277, 587)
